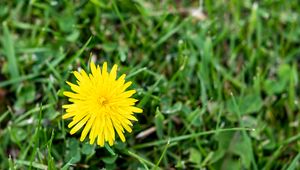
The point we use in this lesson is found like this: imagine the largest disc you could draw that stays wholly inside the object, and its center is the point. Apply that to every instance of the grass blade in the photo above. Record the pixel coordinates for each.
(162, 155)
(293, 165)
(9, 51)
(31, 164)
(143, 161)
(185, 137)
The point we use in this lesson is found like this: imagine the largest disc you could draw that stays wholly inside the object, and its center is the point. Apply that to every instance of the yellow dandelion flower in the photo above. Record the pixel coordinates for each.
(100, 104)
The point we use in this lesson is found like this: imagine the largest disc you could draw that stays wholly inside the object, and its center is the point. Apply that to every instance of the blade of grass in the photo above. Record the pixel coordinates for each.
(51, 164)
(31, 164)
(185, 137)
(293, 165)
(28, 113)
(18, 79)
(11, 163)
(291, 139)
(228, 76)
(162, 155)
(67, 165)
(9, 51)
(108, 148)
(117, 11)
(273, 158)
(2, 117)
(148, 94)
(78, 53)
(136, 72)
(142, 160)
(54, 71)
(169, 33)
(36, 137)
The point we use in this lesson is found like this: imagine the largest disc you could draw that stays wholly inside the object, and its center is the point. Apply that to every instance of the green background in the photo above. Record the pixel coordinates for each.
(218, 82)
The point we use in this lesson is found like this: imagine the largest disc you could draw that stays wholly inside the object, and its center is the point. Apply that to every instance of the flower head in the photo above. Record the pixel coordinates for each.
(100, 105)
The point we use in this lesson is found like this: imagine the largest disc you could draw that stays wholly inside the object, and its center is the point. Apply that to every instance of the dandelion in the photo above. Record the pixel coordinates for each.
(100, 104)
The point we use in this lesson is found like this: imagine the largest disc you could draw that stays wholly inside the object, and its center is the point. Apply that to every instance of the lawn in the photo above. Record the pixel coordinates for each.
(218, 82)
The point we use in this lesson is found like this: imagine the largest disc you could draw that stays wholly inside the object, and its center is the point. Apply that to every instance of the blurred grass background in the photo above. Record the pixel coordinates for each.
(198, 66)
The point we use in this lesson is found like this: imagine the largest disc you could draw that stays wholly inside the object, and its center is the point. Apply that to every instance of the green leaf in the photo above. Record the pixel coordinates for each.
(195, 156)
(218, 155)
(123, 53)
(172, 109)
(18, 134)
(231, 144)
(74, 151)
(28, 93)
(194, 117)
(67, 22)
(110, 159)
(280, 84)
(242, 147)
(231, 164)
(250, 103)
(87, 149)
(73, 36)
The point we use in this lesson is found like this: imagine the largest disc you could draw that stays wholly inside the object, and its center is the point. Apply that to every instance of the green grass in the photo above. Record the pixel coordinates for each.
(218, 92)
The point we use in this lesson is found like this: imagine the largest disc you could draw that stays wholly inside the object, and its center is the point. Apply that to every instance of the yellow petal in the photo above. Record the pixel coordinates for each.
(92, 135)
(100, 136)
(79, 125)
(100, 139)
(104, 69)
(84, 75)
(110, 141)
(95, 129)
(76, 119)
(117, 124)
(93, 68)
(135, 109)
(77, 75)
(122, 102)
(87, 128)
(113, 72)
(110, 128)
(68, 115)
(119, 129)
(73, 95)
(74, 87)
(121, 79)
(125, 86)
(67, 106)
(105, 131)
(121, 135)
(127, 128)
(126, 94)
(130, 117)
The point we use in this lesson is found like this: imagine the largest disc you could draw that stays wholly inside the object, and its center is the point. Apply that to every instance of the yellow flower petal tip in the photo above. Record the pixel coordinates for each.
(100, 105)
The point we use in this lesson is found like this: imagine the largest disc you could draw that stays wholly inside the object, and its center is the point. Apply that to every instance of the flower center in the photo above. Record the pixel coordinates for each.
(102, 101)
